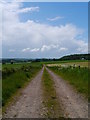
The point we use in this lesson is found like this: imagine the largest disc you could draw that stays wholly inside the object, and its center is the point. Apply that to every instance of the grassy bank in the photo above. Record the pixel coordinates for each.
(0, 93)
(14, 78)
(50, 98)
(76, 77)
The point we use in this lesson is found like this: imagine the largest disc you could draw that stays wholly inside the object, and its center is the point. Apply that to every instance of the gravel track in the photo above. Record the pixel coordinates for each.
(73, 104)
(29, 104)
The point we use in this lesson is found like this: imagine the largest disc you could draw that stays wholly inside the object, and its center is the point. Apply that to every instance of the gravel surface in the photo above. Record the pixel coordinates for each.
(29, 104)
(73, 104)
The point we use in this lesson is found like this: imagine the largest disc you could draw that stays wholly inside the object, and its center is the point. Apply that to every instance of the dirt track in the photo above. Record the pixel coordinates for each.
(73, 104)
(29, 105)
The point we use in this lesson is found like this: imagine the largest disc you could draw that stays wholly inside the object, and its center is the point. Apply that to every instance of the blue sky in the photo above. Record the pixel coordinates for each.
(72, 12)
(76, 13)
(36, 30)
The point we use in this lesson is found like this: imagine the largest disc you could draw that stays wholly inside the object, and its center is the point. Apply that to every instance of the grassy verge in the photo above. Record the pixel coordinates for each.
(50, 99)
(15, 78)
(0, 93)
(77, 77)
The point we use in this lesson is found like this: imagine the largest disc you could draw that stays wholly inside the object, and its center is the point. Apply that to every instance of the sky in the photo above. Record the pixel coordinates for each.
(44, 29)
(47, 0)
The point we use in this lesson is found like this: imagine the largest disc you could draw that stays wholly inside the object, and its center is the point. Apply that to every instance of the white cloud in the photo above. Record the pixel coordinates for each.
(45, 47)
(17, 7)
(25, 49)
(36, 37)
(48, 47)
(34, 50)
(30, 50)
(55, 18)
(82, 47)
(1, 30)
(63, 49)
(29, 9)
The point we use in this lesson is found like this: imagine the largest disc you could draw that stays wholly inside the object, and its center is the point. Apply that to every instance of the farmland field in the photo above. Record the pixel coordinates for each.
(16, 65)
(78, 77)
(15, 76)
(69, 63)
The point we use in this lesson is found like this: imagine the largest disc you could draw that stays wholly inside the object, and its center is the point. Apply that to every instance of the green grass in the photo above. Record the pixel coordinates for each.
(0, 66)
(50, 98)
(0, 93)
(64, 61)
(15, 78)
(76, 77)
(15, 65)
